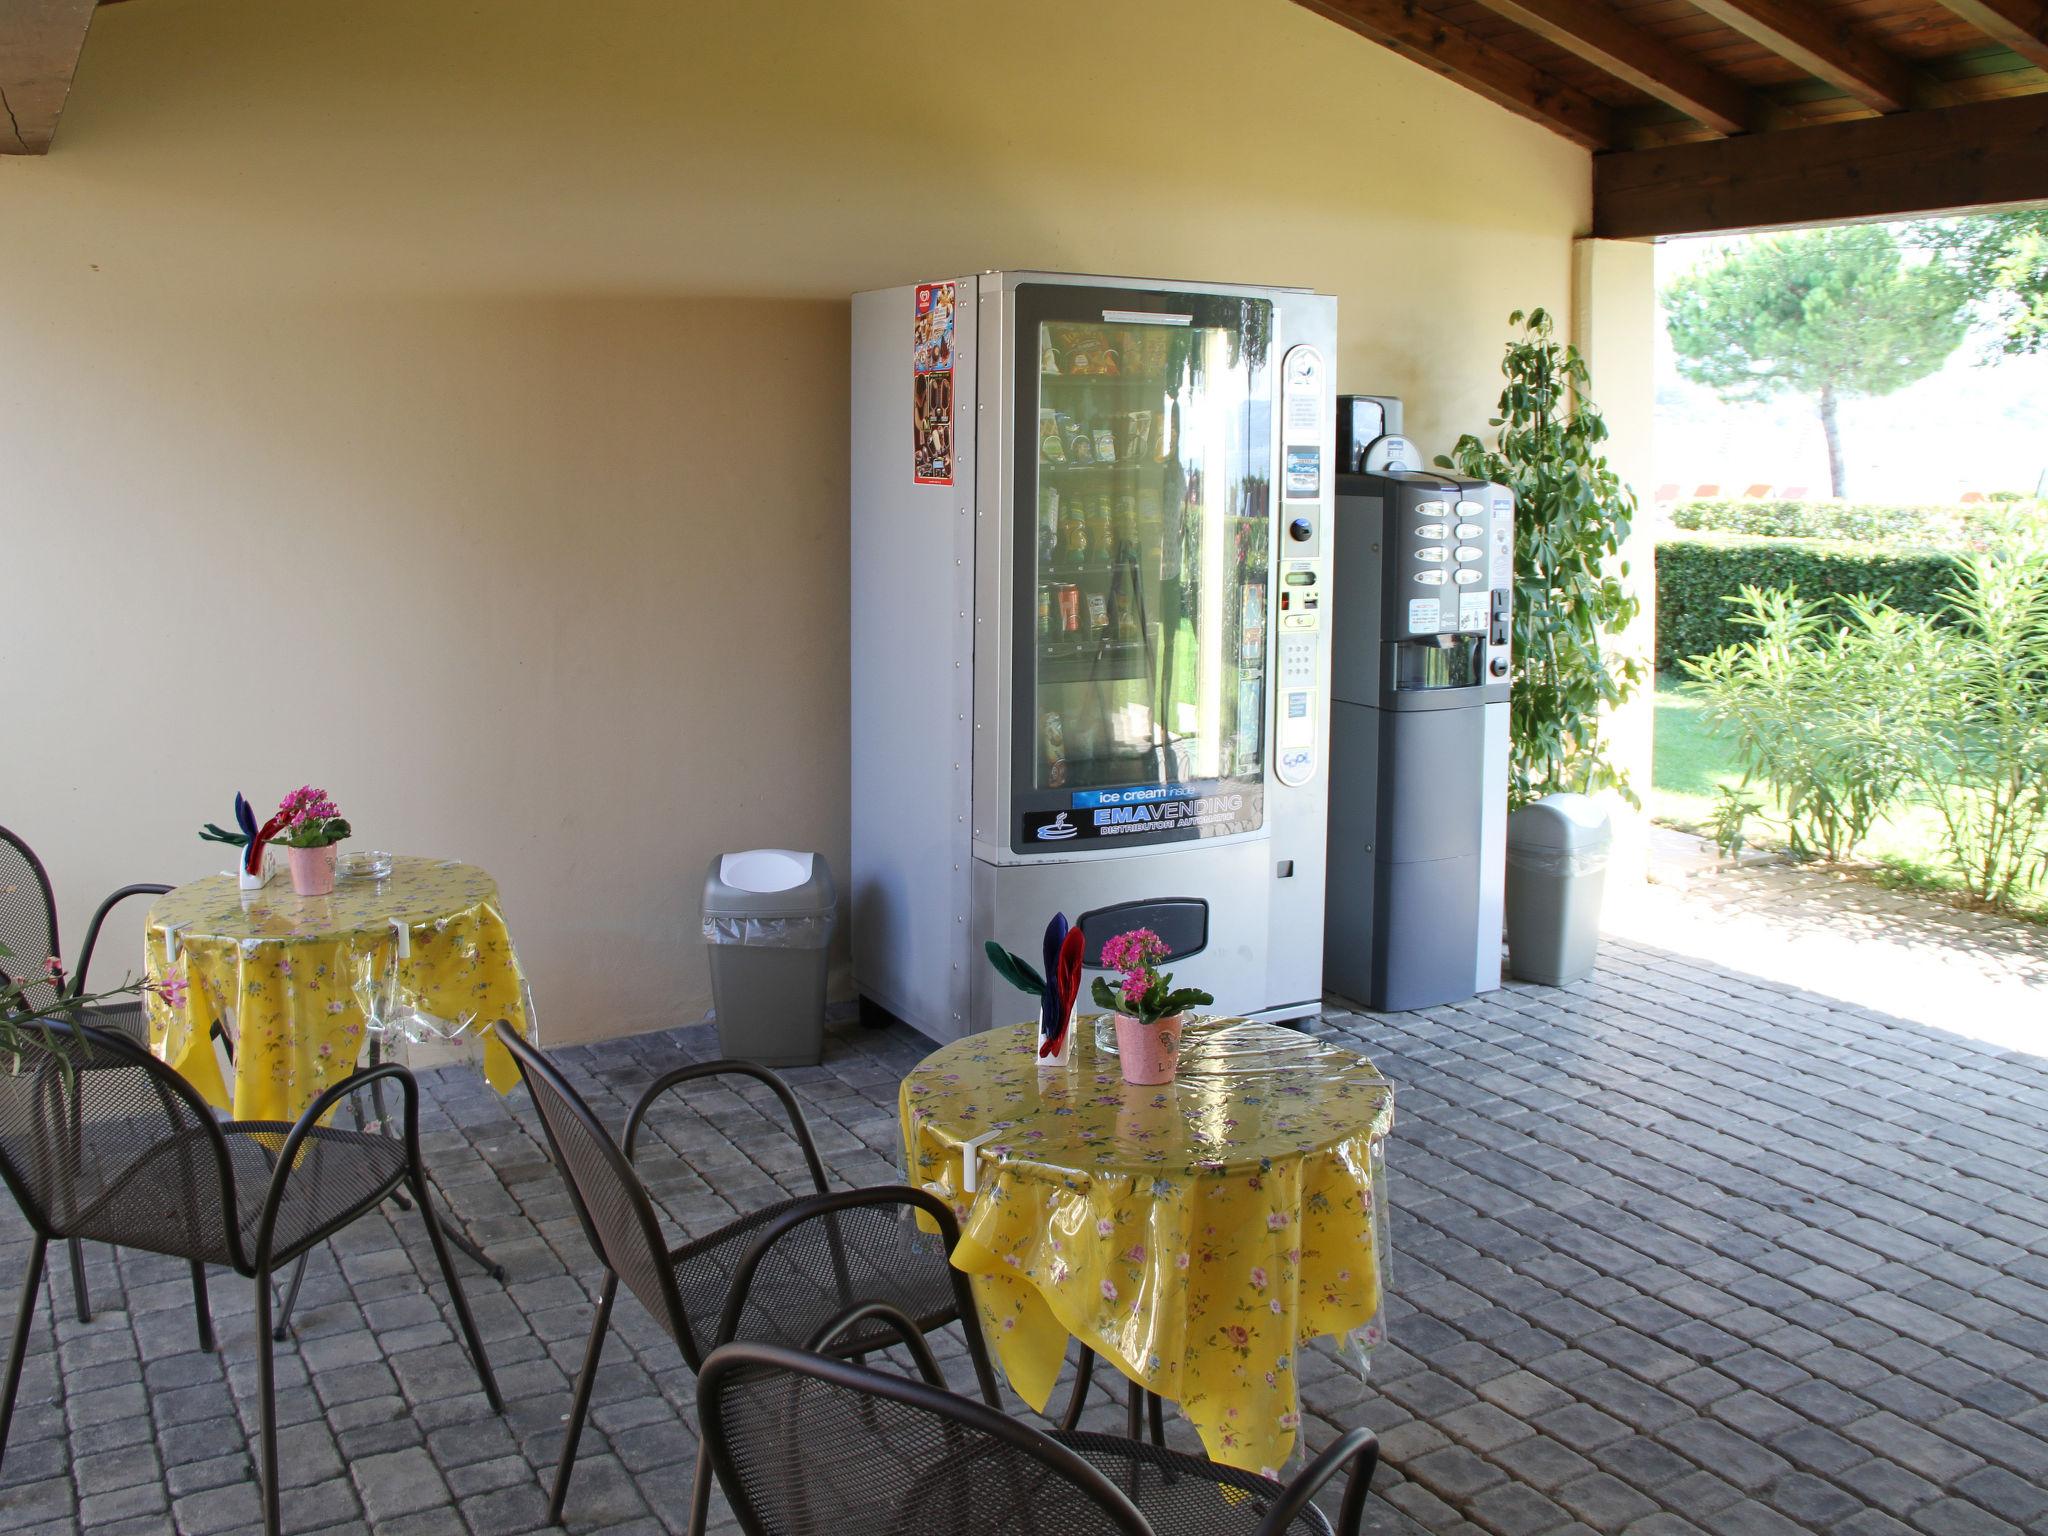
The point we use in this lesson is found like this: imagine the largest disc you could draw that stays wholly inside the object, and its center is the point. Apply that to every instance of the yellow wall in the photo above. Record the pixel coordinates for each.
(447, 403)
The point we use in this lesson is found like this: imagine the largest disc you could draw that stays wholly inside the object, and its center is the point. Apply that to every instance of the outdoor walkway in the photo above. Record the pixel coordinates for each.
(1677, 1251)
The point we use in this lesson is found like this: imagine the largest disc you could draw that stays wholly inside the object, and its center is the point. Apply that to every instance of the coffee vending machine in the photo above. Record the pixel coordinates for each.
(1422, 588)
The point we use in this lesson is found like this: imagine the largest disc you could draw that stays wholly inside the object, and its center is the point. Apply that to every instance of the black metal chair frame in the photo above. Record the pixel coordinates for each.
(533, 1064)
(75, 987)
(1357, 1449)
(97, 1048)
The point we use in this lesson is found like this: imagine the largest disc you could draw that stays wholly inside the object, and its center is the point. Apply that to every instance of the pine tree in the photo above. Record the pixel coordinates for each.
(1827, 313)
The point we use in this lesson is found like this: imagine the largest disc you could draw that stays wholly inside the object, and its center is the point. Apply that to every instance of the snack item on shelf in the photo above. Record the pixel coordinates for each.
(1073, 531)
(1052, 733)
(1105, 441)
(1050, 446)
(1100, 528)
(1098, 614)
(1080, 441)
(1135, 431)
(1090, 352)
(1069, 598)
(1045, 610)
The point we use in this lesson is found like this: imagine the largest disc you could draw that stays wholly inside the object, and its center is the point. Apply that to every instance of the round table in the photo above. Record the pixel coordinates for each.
(1196, 1234)
(298, 981)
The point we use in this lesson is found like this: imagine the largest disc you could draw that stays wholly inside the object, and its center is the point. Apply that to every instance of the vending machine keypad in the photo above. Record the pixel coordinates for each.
(1304, 495)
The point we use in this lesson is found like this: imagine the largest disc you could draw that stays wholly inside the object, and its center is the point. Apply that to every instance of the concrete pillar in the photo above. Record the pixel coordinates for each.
(1614, 320)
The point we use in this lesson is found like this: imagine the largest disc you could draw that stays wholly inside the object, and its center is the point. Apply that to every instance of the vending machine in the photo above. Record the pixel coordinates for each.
(1090, 638)
(1424, 587)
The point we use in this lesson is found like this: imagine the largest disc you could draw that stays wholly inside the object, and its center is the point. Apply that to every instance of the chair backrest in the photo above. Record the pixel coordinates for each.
(806, 1446)
(610, 1201)
(99, 1139)
(28, 920)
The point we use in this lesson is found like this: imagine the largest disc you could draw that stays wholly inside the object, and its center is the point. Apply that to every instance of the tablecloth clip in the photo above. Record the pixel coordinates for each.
(172, 944)
(970, 1159)
(402, 931)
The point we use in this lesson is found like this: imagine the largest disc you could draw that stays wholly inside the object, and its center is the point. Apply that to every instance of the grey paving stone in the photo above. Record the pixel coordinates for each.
(1676, 1251)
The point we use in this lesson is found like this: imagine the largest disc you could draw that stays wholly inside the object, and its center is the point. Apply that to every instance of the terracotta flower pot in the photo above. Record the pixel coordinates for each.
(313, 869)
(1148, 1053)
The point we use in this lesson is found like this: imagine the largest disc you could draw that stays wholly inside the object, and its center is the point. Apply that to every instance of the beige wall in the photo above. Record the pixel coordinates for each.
(447, 403)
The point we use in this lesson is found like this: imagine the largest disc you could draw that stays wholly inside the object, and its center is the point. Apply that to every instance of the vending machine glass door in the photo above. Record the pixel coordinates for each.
(1143, 529)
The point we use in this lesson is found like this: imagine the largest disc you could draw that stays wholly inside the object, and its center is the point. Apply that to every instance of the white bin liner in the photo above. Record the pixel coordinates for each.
(814, 932)
(1558, 861)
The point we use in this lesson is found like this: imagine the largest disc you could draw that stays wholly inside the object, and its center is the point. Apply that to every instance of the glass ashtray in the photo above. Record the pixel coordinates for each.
(371, 864)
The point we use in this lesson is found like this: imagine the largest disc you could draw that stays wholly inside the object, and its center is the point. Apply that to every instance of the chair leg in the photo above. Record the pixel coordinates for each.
(476, 1344)
(201, 1306)
(585, 1380)
(291, 1298)
(266, 1389)
(1157, 1404)
(78, 1280)
(700, 1491)
(1084, 1372)
(31, 1287)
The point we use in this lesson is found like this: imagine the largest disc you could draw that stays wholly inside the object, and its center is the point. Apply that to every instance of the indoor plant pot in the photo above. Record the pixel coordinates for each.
(1148, 1053)
(313, 869)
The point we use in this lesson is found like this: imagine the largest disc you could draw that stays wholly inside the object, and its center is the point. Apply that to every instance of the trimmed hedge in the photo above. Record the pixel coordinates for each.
(1936, 526)
(1696, 573)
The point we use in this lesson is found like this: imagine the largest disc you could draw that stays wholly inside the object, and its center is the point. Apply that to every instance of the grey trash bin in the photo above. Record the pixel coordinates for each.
(1557, 872)
(768, 917)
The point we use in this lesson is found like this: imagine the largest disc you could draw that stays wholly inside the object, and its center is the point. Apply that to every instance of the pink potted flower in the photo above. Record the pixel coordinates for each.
(1147, 1005)
(313, 826)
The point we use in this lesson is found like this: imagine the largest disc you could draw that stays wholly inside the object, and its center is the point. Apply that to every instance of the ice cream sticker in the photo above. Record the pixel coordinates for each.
(931, 446)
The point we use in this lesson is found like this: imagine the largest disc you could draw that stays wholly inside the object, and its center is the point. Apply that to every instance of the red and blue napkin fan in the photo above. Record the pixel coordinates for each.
(251, 839)
(1056, 989)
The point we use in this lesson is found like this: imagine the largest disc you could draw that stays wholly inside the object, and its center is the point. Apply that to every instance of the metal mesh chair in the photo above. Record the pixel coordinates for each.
(28, 928)
(805, 1445)
(99, 1139)
(783, 1273)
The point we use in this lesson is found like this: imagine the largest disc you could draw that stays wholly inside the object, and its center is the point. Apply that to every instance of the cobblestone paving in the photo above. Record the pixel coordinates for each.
(1677, 1252)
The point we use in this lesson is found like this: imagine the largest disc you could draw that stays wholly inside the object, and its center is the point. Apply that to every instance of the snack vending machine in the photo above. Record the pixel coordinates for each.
(1419, 706)
(1090, 641)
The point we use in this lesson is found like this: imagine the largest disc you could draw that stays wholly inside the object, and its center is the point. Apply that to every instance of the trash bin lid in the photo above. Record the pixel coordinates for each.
(1575, 822)
(781, 882)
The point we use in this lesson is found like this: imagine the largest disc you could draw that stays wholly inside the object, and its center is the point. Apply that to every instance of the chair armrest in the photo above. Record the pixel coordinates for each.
(309, 1125)
(824, 1208)
(92, 930)
(723, 1068)
(903, 1327)
(1359, 1449)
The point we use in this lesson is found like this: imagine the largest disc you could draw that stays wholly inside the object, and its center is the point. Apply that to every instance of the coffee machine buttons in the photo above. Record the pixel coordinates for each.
(1465, 531)
(1433, 554)
(1472, 509)
(1467, 578)
(1430, 578)
(1435, 531)
(1471, 552)
(1433, 509)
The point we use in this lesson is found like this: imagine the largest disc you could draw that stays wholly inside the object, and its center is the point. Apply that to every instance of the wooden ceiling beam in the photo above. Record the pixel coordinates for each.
(2021, 25)
(1826, 47)
(1591, 31)
(1479, 66)
(1984, 155)
(39, 46)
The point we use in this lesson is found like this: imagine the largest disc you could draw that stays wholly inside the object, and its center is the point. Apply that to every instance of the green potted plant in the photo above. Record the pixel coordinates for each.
(1572, 597)
(313, 828)
(1148, 1007)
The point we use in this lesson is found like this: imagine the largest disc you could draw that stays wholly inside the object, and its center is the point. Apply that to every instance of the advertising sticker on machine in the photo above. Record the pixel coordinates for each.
(931, 448)
(1216, 809)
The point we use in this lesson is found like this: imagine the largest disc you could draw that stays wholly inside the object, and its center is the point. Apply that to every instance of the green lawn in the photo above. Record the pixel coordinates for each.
(1691, 763)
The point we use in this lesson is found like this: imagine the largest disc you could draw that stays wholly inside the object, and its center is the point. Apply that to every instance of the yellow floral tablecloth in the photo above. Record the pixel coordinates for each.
(1197, 1234)
(296, 979)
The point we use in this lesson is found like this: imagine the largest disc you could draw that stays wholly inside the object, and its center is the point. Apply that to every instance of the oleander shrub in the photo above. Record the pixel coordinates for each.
(1808, 704)
(1698, 577)
(1839, 704)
